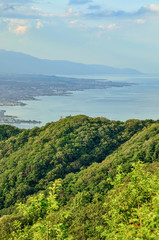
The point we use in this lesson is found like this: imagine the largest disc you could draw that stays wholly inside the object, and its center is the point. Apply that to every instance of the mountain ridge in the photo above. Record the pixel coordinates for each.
(21, 63)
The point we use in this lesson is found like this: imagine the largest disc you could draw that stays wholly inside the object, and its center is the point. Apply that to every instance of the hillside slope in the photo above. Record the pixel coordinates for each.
(85, 204)
(7, 131)
(29, 161)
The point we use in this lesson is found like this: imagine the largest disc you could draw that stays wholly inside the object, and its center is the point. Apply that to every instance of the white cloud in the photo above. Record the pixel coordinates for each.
(73, 21)
(16, 21)
(68, 14)
(79, 1)
(47, 15)
(39, 25)
(18, 30)
(112, 26)
(101, 26)
(20, 11)
(152, 7)
(122, 14)
(109, 27)
(69, 11)
(17, 26)
(140, 21)
(36, 9)
(104, 30)
(17, 1)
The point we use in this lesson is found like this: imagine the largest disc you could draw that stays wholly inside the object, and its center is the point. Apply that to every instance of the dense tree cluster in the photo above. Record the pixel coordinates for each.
(109, 180)
(6, 131)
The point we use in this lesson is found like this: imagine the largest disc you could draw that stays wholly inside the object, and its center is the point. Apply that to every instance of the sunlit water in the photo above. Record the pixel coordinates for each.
(140, 101)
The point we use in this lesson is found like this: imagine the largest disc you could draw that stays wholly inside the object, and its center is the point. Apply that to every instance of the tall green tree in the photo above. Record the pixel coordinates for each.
(132, 206)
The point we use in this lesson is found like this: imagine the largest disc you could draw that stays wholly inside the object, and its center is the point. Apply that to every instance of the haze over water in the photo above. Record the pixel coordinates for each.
(139, 101)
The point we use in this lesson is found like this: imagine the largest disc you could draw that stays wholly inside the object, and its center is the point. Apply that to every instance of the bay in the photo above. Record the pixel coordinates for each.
(138, 101)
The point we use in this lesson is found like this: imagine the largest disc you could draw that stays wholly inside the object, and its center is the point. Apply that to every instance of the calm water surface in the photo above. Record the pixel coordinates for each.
(140, 101)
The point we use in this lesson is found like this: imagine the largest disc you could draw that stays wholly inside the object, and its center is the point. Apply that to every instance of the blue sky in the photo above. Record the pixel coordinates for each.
(118, 33)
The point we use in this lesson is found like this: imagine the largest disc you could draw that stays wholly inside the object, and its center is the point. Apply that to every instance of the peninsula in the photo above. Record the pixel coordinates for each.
(6, 119)
(15, 88)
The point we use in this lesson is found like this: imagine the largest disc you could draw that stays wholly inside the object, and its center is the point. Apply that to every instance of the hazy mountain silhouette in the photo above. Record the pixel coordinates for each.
(20, 63)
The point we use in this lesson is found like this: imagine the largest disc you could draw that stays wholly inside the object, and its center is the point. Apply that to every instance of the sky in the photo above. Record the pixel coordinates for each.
(118, 33)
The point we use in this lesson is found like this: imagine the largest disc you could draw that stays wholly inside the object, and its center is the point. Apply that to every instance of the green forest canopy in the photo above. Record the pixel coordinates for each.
(94, 158)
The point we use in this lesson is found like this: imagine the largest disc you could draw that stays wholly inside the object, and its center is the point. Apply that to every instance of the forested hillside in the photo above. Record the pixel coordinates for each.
(81, 178)
(7, 131)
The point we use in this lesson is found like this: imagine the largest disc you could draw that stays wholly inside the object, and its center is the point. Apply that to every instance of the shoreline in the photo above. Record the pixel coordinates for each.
(19, 102)
(7, 119)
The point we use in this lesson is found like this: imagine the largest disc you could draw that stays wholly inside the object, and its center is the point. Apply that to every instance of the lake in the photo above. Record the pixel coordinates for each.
(139, 101)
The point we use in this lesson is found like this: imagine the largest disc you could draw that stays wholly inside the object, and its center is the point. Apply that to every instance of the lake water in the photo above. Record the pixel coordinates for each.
(139, 101)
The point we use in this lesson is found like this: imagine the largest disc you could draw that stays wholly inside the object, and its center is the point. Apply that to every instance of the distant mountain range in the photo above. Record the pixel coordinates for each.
(20, 63)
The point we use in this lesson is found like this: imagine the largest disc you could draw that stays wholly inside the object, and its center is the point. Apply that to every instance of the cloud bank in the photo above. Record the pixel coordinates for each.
(19, 2)
(79, 1)
(37, 17)
(143, 11)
